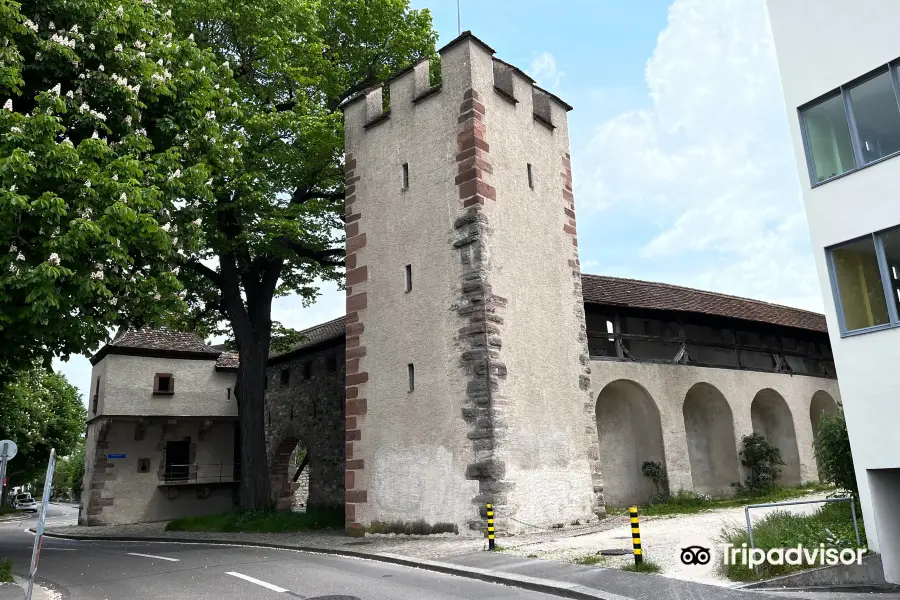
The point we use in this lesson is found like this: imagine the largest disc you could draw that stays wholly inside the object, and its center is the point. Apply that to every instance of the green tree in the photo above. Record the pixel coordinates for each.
(832, 446)
(107, 121)
(763, 460)
(274, 227)
(39, 410)
(69, 475)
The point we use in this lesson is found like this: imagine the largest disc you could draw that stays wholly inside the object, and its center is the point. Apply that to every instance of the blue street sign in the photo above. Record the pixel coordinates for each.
(111, 456)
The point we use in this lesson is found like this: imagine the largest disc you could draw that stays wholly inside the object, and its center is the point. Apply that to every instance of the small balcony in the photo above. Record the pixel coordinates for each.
(199, 474)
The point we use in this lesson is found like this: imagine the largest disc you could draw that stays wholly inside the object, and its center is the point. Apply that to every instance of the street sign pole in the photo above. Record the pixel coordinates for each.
(42, 518)
(8, 451)
(3, 453)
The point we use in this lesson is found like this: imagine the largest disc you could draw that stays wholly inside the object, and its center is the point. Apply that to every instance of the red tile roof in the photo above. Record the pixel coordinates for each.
(617, 291)
(156, 342)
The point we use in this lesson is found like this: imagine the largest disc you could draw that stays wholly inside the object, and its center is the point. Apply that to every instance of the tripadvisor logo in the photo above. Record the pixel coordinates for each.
(821, 556)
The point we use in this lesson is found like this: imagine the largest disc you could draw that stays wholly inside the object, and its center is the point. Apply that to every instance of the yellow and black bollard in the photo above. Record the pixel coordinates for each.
(490, 526)
(636, 536)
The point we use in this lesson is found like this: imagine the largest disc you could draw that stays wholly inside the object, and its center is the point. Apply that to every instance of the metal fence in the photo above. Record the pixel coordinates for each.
(200, 473)
(795, 502)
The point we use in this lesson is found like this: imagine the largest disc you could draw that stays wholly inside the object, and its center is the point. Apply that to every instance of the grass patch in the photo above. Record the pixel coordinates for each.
(6, 571)
(412, 528)
(252, 521)
(831, 525)
(647, 566)
(689, 503)
(590, 559)
(7, 510)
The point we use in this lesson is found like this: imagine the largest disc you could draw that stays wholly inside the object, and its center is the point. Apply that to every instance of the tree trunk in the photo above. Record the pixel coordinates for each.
(255, 490)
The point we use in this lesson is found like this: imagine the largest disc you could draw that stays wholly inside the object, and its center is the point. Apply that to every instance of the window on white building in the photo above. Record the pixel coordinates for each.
(853, 126)
(829, 138)
(877, 117)
(864, 277)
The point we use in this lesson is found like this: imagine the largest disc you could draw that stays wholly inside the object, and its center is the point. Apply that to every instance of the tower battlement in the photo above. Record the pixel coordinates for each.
(412, 86)
(467, 363)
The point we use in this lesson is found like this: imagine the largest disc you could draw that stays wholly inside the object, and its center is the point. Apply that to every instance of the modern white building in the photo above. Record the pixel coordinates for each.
(839, 70)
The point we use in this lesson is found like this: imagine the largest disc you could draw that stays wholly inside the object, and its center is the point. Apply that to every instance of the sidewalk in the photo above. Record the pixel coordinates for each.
(462, 556)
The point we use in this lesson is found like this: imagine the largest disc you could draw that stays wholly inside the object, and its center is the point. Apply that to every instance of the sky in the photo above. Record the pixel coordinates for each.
(682, 163)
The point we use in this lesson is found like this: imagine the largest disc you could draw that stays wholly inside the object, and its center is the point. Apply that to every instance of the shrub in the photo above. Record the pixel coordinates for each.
(656, 473)
(411, 527)
(764, 462)
(258, 521)
(832, 445)
(6, 571)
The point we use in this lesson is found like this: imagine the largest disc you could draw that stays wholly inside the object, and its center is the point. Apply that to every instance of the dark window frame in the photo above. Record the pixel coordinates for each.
(843, 91)
(171, 387)
(408, 278)
(404, 183)
(95, 401)
(893, 315)
(530, 176)
(285, 376)
(411, 377)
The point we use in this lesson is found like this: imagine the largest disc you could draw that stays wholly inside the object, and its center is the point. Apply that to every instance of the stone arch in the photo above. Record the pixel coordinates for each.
(771, 417)
(821, 403)
(709, 428)
(280, 472)
(630, 432)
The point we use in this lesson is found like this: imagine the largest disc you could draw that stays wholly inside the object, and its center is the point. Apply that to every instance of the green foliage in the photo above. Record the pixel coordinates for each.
(412, 528)
(6, 571)
(832, 445)
(39, 410)
(831, 525)
(107, 123)
(763, 461)
(69, 475)
(689, 502)
(656, 473)
(257, 521)
(644, 567)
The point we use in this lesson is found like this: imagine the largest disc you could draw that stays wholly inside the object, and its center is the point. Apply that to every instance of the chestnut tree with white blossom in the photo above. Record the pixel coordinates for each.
(108, 139)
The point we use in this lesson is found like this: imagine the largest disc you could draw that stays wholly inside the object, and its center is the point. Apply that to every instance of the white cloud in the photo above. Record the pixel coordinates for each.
(545, 71)
(710, 161)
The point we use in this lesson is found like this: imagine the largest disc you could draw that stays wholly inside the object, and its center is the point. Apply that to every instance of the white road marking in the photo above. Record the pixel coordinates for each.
(274, 588)
(157, 557)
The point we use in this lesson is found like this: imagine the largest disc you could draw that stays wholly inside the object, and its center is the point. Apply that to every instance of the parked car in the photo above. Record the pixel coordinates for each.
(19, 497)
(27, 503)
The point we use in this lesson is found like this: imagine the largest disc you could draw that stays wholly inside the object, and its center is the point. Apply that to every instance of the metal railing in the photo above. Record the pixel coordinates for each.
(794, 502)
(200, 473)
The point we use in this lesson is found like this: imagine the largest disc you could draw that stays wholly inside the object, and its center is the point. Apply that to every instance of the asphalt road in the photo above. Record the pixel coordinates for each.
(143, 571)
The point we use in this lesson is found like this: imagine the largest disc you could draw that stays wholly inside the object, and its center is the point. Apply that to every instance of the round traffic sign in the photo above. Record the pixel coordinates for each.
(10, 447)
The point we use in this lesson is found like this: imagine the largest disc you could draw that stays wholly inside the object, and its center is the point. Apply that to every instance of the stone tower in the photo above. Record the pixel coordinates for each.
(467, 367)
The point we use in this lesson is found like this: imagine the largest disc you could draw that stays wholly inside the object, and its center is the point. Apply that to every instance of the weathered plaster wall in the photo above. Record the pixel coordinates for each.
(309, 412)
(668, 386)
(407, 451)
(116, 492)
(531, 249)
(127, 387)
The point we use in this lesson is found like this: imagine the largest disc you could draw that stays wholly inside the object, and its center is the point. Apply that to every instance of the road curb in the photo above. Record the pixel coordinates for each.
(533, 584)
